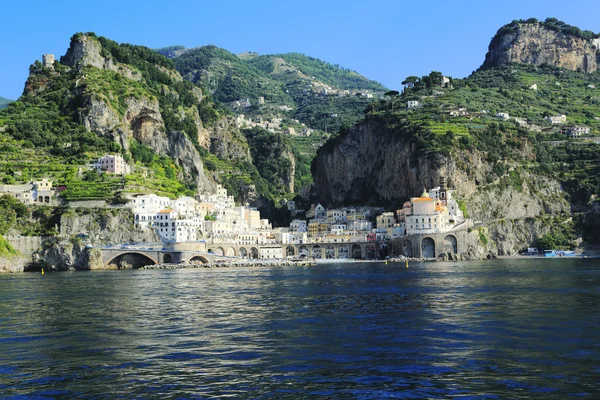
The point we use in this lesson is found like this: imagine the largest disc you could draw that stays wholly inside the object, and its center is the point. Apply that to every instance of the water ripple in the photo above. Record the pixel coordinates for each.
(501, 329)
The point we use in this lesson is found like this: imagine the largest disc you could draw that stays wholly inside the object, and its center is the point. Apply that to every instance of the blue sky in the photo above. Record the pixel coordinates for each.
(385, 40)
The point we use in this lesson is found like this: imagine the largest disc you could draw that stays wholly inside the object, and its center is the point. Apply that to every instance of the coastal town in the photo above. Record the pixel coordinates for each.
(215, 218)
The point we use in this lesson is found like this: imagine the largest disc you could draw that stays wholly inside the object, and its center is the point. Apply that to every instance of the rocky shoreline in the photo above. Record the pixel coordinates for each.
(236, 264)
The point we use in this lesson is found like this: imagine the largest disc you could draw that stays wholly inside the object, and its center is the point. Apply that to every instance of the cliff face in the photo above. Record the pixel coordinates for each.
(376, 164)
(127, 110)
(86, 51)
(104, 226)
(534, 43)
(382, 164)
(101, 226)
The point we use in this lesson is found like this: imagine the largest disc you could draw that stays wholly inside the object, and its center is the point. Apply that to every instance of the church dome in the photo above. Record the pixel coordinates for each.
(425, 194)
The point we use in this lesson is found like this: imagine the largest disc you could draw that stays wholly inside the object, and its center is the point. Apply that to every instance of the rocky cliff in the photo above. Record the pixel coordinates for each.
(104, 226)
(117, 101)
(376, 163)
(544, 43)
(81, 228)
(380, 161)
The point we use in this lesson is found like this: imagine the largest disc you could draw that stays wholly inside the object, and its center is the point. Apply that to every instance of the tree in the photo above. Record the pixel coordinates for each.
(435, 78)
(392, 94)
(411, 81)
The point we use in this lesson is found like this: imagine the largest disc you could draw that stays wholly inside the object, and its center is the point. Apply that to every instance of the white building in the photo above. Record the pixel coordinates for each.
(149, 203)
(360, 226)
(503, 115)
(557, 119)
(385, 220)
(185, 206)
(23, 193)
(444, 196)
(338, 228)
(576, 131)
(336, 215)
(428, 216)
(170, 226)
(271, 252)
(412, 104)
(298, 225)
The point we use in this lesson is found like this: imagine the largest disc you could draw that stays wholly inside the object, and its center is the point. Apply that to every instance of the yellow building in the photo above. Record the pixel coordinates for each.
(313, 228)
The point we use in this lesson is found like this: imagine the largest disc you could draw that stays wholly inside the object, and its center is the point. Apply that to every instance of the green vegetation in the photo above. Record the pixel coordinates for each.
(483, 238)
(169, 51)
(282, 80)
(43, 118)
(4, 102)
(459, 120)
(11, 209)
(325, 72)
(6, 249)
(272, 155)
(463, 207)
(557, 241)
(230, 77)
(45, 136)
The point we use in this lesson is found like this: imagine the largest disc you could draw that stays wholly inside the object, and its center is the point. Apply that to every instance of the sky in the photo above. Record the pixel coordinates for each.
(385, 40)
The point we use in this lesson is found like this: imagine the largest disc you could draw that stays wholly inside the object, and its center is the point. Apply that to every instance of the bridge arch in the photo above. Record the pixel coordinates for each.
(428, 248)
(329, 251)
(290, 251)
(220, 251)
(131, 260)
(167, 258)
(450, 244)
(343, 251)
(243, 252)
(253, 252)
(198, 260)
(371, 252)
(230, 252)
(303, 251)
(316, 252)
(407, 248)
(356, 252)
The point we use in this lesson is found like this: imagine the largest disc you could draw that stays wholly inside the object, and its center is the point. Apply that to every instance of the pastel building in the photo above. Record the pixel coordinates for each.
(298, 225)
(112, 164)
(385, 220)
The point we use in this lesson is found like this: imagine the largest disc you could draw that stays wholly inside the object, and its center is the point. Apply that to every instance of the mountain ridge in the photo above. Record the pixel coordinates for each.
(549, 42)
(508, 138)
(104, 97)
(4, 102)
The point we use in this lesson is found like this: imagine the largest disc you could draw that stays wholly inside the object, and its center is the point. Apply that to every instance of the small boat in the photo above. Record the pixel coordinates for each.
(559, 253)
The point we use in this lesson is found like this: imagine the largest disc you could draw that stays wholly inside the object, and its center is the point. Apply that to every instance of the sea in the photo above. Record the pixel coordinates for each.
(498, 329)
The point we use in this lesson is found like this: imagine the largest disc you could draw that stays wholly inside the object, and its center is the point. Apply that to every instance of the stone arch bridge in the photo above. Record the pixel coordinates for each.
(415, 246)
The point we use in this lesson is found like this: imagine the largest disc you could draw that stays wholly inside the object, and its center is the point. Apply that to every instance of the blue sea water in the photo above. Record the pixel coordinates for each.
(499, 329)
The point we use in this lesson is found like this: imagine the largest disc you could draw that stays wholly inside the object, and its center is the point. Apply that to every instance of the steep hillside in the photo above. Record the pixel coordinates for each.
(227, 76)
(289, 94)
(104, 97)
(523, 177)
(320, 95)
(300, 64)
(550, 42)
(4, 102)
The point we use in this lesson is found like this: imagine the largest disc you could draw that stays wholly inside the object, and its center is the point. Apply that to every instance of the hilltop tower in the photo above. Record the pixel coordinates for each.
(48, 60)
(443, 191)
